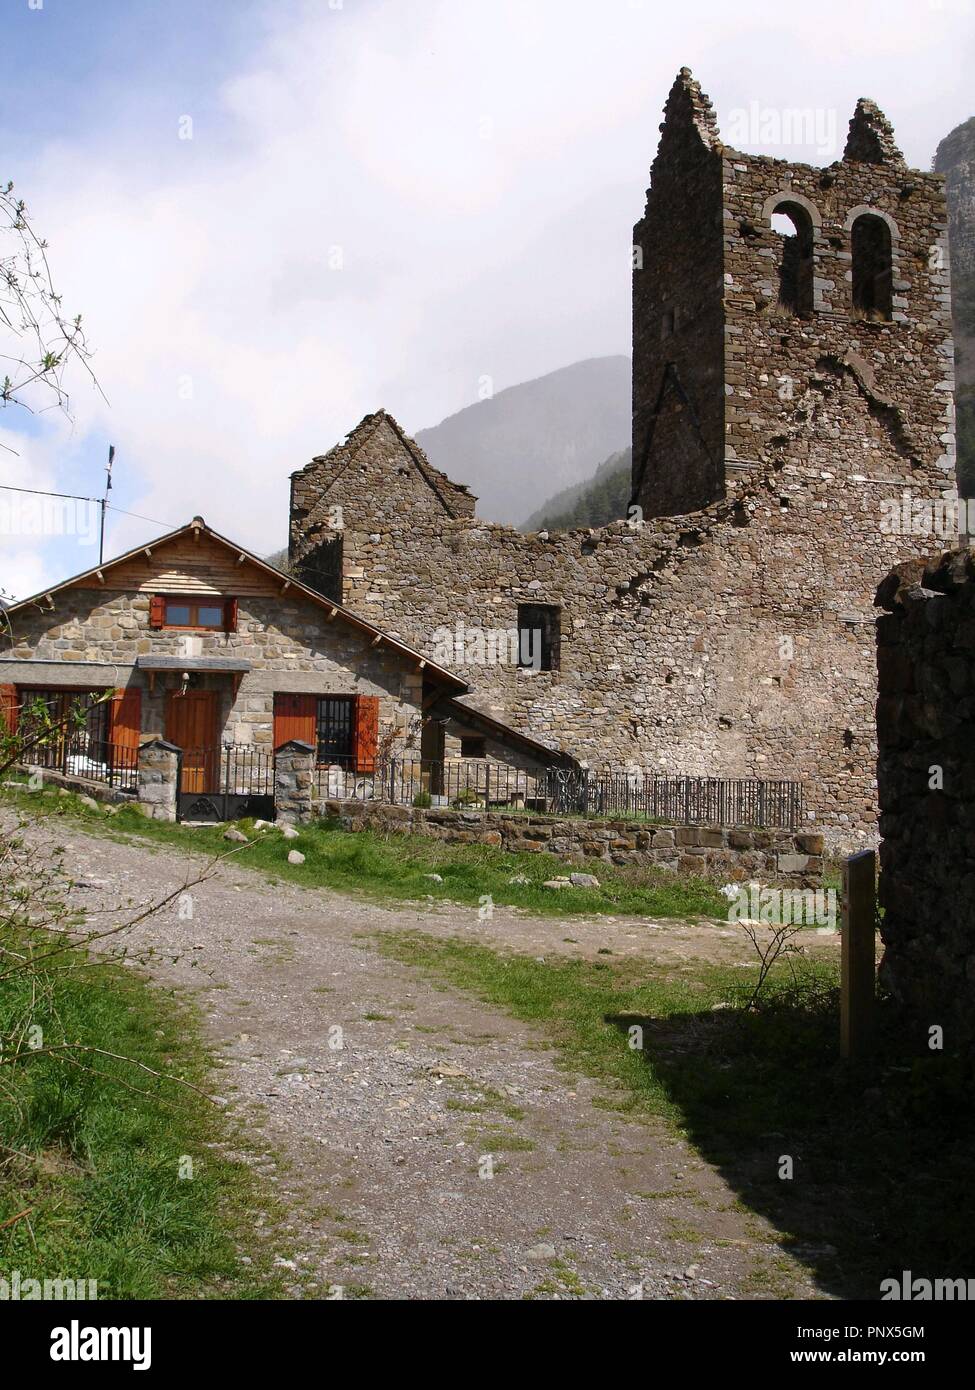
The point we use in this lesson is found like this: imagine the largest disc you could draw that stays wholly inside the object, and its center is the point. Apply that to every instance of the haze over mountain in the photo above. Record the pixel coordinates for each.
(603, 498)
(528, 441)
(956, 160)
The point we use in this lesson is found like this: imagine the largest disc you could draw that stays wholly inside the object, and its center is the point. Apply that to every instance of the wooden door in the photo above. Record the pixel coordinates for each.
(191, 724)
(432, 748)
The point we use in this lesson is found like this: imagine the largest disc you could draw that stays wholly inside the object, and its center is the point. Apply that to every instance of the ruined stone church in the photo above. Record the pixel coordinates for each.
(784, 388)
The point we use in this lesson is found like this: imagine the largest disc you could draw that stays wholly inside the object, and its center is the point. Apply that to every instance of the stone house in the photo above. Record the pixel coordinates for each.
(792, 398)
(210, 648)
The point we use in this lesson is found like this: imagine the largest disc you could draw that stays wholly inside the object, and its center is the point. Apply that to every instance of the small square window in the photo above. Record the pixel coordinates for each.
(539, 636)
(185, 612)
(473, 748)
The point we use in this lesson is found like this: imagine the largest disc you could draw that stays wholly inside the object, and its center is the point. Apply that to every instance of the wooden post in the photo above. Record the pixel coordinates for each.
(858, 971)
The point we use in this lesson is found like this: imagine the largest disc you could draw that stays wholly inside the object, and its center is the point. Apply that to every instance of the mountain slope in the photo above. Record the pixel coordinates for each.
(603, 499)
(515, 448)
(956, 160)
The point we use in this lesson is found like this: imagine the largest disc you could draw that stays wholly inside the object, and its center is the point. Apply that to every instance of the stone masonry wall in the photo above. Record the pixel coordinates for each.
(678, 316)
(779, 408)
(926, 770)
(697, 849)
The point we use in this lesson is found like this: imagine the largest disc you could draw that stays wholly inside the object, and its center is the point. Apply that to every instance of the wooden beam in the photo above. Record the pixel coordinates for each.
(241, 558)
(101, 577)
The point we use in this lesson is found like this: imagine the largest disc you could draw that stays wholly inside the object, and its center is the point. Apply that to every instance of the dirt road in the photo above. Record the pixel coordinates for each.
(381, 1143)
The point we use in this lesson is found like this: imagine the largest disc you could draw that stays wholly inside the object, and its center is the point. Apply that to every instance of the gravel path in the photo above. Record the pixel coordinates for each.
(377, 1148)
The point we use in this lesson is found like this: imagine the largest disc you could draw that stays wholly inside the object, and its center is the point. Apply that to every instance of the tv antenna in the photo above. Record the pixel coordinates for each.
(108, 488)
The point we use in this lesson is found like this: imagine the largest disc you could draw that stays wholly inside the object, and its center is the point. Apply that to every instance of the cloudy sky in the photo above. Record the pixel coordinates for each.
(278, 216)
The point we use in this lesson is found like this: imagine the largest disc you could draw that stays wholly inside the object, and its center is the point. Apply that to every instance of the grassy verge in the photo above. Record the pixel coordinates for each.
(108, 1173)
(398, 867)
(881, 1157)
(113, 1154)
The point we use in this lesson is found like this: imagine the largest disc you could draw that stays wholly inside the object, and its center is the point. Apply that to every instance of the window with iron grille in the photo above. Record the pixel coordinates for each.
(334, 729)
(539, 636)
(80, 729)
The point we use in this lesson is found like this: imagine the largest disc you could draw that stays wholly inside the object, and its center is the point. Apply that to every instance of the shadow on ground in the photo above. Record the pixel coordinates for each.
(882, 1155)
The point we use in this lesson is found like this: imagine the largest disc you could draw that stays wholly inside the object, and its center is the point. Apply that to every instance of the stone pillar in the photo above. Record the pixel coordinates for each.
(158, 779)
(294, 762)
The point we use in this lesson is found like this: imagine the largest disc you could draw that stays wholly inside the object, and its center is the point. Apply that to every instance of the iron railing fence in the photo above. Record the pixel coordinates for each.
(226, 783)
(748, 801)
(77, 754)
(245, 770)
(478, 785)
(234, 769)
(471, 784)
(402, 781)
(337, 780)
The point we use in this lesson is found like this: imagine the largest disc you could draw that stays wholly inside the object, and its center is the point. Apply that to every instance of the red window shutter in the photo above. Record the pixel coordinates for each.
(295, 716)
(125, 718)
(157, 611)
(8, 708)
(366, 732)
(230, 615)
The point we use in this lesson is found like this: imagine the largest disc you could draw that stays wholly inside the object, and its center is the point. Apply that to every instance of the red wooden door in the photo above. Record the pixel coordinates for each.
(191, 723)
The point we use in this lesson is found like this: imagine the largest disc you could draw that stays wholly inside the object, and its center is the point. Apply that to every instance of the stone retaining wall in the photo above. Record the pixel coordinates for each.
(926, 777)
(70, 782)
(737, 853)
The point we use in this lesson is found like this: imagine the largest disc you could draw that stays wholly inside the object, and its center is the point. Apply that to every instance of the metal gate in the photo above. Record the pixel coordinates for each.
(219, 784)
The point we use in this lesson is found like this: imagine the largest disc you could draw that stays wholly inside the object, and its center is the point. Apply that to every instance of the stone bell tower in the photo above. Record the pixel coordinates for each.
(787, 316)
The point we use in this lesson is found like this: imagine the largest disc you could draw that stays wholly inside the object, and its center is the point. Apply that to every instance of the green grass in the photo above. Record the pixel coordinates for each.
(99, 1176)
(882, 1154)
(394, 867)
(498, 1141)
(571, 999)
